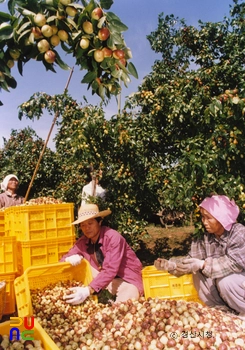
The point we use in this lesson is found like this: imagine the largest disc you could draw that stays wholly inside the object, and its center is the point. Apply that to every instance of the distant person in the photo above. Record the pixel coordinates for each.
(93, 188)
(10, 187)
(113, 263)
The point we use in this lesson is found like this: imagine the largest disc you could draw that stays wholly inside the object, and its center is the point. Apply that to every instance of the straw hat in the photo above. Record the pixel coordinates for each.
(90, 211)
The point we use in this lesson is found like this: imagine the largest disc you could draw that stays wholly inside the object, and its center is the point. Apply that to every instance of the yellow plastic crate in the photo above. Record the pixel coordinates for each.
(163, 285)
(2, 297)
(43, 252)
(42, 276)
(8, 254)
(10, 305)
(36, 222)
(2, 231)
(39, 334)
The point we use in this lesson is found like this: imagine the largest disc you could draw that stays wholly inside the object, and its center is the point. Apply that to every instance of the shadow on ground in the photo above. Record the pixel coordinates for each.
(163, 248)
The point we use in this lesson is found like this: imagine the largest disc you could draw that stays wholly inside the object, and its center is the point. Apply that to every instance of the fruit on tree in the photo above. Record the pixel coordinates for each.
(55, 40)
(88, 27)
(107, 52)
(54, 29)
(84, 43)
(10, 63)
(14, 53)
(103, 34)
(111, 88)
(118, 54)
(47, 31)
(50, 56)
(2, 77)
(39, 19)
(97, 13)
(37, 33)
(123, 61)
(43, 45)
(128, 53)
(99, 55)
(71, 11)
(98, 80)
(62, 35)
(65, 2)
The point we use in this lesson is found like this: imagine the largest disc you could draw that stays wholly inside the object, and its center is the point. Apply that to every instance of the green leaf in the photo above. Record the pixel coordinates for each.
(20, 67)
(23, 27)
(69, 20)
(4, 17)
(112, 17)
(11, 82)
(51, 19)
(4, 85)
(89, 77)
(49, 66)
(65, 47)
(24, 34)
(115, 39)
(132, 70)
(106, 4)
(117, 26)
(102, 92)
(11, 7)
(6, 33)
(60, 62)
(89, 8)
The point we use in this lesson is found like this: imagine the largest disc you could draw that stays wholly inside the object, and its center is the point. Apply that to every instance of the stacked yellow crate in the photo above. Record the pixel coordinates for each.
(34, 235)
(8, 271)
(1, 223)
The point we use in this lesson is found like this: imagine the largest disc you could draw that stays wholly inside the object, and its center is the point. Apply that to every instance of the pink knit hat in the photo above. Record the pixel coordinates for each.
(222, 209)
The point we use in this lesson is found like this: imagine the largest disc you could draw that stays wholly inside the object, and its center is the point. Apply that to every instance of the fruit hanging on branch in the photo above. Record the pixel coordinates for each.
(84, 29)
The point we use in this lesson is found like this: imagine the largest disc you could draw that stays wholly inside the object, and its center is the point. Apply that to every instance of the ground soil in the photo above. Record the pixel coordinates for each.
(164, 243)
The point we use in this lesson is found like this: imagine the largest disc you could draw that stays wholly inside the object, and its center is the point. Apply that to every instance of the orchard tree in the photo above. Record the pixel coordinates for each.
(84, 29)
(195, 99)
(121, 147)
(20, 155)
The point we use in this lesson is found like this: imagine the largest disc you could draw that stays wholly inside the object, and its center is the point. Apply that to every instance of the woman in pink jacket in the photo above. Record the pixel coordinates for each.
(114, 264)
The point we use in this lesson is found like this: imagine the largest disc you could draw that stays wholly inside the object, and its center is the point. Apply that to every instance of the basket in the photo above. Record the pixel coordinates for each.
(8, 255)
(163, 285)
(41, 276)
(2, 298)
(2, 232)
(42, 252)
(39, 222)
(39, 334)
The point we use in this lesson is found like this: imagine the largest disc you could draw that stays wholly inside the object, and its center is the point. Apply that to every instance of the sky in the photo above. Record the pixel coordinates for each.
(141, 18)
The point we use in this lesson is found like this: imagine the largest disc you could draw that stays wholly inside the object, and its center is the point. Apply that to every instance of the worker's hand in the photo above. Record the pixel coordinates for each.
(164, 265)
(79, 295)
(190, 265)
(74, 259)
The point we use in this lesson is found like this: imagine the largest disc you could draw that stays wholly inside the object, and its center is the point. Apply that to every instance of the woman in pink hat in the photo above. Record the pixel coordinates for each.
(113, 263)
(10, 197)
(217, 260)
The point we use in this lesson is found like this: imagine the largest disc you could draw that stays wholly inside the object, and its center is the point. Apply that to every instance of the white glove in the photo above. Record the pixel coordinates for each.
(165, 265)
(79, 295)
(190, 265)
(74, 259)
